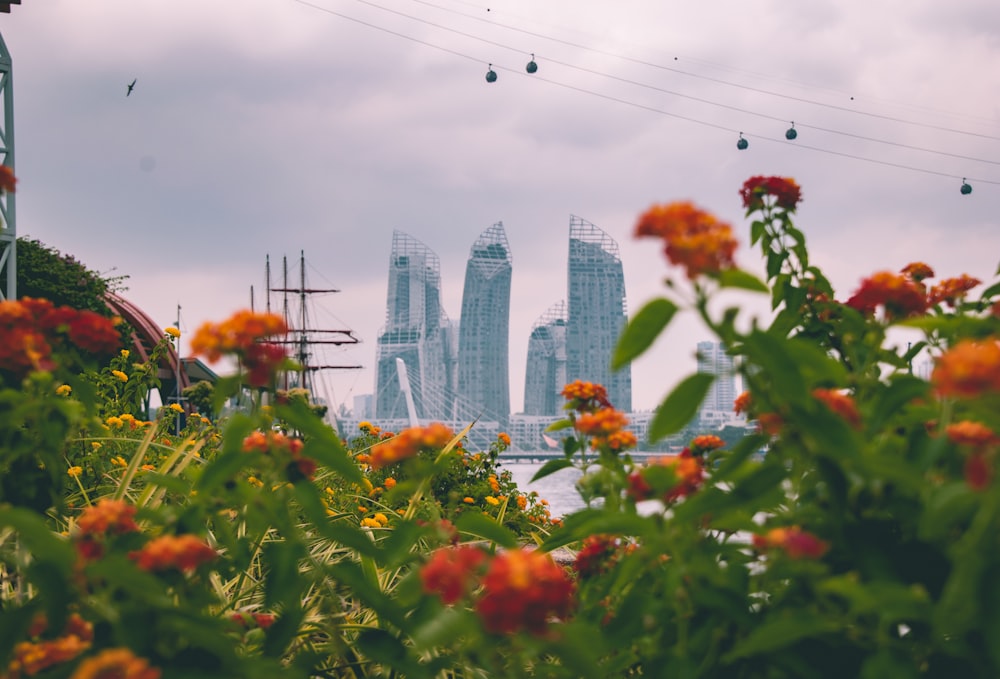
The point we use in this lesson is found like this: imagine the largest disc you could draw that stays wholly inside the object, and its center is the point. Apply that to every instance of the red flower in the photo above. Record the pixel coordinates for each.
(742, 403)
(795, 542)
(693, 238)
(898, 294)
(450, 572)
(7, 179)
(262, 361)
(597, 555)
(786, 192)
(524, 589)
(978, 471)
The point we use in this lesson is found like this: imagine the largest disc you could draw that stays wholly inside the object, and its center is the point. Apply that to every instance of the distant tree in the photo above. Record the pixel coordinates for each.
(45, 273)
(200, 396)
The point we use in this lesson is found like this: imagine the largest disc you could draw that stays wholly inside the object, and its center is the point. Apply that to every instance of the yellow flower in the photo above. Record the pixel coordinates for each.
(176, 407)
(120, 375)
(95, 445)
(124, 353)
(172, 331)
(74, 471)
(468, 501)
(255, 482)
(381, 518)
(369, 522)
(492, 500)
(64, 390)
(114, 422)
(119, 461)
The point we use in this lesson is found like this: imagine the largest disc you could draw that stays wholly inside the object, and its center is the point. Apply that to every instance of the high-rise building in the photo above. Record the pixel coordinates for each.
(417, 331)
(718, 404)
(597, 311)
(484, 329)
(546, 366)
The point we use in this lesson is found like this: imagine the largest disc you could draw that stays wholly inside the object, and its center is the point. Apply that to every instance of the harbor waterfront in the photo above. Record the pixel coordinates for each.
(559, 489)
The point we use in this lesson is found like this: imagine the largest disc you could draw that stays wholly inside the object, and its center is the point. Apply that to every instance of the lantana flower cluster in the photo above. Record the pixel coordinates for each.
(408, 443)
(33, 328)
(244, 336)
(519, 590)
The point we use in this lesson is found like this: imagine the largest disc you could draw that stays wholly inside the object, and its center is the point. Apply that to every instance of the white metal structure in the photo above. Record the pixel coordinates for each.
(8, 223)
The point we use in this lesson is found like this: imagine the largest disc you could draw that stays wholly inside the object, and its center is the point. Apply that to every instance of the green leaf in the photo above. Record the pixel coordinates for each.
(737, 278)
(780, 632)
(551, 467)
(680, 406)
(585, 522)
(482, 526)
(444, 628)
(641, 330)
(384, 648)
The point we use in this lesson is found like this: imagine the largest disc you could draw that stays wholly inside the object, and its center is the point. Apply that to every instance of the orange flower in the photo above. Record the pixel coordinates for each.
(968, 369)
(449, 572)
(390, 483)
(524, 589)
(604, 422)
(585, 396)
(841, 404)
(786, 192)
(30, 658)
(688, 475)
(952, 290)
(504, 439)
(898, 294)
(693, 238)
(742, 403)
(973, 434)
(795, 542)
(619, 440)
(115, 663)
(917, 271)
(705, 443)
(409, 442)
(182, 552)
(107, 517)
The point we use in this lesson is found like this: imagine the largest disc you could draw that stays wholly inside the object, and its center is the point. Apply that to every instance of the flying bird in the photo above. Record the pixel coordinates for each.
(130, 86)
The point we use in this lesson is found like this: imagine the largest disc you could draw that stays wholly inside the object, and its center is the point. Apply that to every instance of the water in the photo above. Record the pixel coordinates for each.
(558, 488)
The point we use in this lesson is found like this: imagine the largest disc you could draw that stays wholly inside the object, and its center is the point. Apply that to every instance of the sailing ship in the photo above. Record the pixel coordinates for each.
(304, 340)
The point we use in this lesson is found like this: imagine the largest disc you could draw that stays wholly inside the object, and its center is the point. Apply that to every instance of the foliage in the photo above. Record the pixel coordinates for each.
(45, 273)
(854, 534)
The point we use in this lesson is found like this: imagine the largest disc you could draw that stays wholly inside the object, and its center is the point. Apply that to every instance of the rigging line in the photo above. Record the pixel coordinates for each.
(672, 92)
(650, 64)
(630, 103)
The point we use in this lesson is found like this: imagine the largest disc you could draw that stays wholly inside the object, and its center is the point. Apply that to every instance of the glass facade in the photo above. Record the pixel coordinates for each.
(597, 311)
(484, 331)
(713, 359)
(417, 331)
(546, 365)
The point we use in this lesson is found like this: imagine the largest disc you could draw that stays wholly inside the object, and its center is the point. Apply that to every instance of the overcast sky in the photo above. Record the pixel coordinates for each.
(266, 127)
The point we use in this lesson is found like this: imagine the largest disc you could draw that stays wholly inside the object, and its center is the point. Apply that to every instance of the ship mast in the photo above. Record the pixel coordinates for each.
(300, 334)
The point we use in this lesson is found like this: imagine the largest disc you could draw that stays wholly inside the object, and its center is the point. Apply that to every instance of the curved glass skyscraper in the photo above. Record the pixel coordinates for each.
(546, 366)
(484, 329)
(597, 311)
(416, 330)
